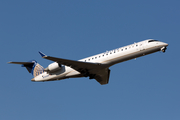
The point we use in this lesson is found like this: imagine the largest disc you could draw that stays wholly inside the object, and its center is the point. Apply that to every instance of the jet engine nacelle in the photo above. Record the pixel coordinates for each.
(53, 67)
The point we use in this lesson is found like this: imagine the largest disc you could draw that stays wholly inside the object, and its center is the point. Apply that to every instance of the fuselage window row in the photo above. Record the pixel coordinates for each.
(131, 46)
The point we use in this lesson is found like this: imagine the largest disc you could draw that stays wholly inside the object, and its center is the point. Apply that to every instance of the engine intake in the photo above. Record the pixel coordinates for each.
(53, 67)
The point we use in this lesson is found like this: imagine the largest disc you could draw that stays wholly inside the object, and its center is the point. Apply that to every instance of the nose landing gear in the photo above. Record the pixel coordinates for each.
(163, 49)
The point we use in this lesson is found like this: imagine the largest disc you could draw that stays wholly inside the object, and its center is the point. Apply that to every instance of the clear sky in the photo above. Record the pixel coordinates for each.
(147, 88)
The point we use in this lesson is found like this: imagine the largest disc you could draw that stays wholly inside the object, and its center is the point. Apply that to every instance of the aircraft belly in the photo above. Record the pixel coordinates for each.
(73, 73)
(46, 77)
(51, 76)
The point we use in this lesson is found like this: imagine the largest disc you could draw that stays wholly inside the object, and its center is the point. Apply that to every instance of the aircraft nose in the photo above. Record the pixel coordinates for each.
(164, 47)
(166, 44)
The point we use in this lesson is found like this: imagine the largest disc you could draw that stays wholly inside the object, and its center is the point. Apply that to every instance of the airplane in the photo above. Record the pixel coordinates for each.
(95, 67)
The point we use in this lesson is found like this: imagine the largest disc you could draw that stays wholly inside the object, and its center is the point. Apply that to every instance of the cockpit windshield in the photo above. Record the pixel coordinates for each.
(152, 41)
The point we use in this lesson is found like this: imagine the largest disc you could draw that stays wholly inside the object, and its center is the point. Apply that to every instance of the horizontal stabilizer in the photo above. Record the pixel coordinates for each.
(22, 63)
(28, 65)
(32, 67)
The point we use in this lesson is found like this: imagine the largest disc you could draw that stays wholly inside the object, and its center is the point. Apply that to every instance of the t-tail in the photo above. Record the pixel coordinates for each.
(33, 67)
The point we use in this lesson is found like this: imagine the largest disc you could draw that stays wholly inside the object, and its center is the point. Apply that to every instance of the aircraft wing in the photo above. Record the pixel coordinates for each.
(72, 63)
(103, 76)
(100, 74)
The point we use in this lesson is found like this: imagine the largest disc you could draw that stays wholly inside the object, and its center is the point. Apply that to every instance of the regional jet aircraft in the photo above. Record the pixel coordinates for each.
(95, 67)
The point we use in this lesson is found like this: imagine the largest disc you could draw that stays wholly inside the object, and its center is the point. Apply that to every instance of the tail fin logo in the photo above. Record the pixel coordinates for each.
(38, 69)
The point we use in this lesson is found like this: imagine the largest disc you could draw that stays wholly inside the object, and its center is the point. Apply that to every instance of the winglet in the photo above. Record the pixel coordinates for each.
(42, 54)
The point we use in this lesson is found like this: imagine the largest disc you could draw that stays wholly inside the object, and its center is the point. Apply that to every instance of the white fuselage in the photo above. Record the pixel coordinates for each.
(107, 59)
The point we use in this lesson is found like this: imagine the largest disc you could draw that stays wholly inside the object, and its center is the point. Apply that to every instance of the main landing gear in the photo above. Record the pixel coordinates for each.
(86, 73)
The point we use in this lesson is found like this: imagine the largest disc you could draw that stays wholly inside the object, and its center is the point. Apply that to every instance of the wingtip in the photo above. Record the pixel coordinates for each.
(42, 54)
